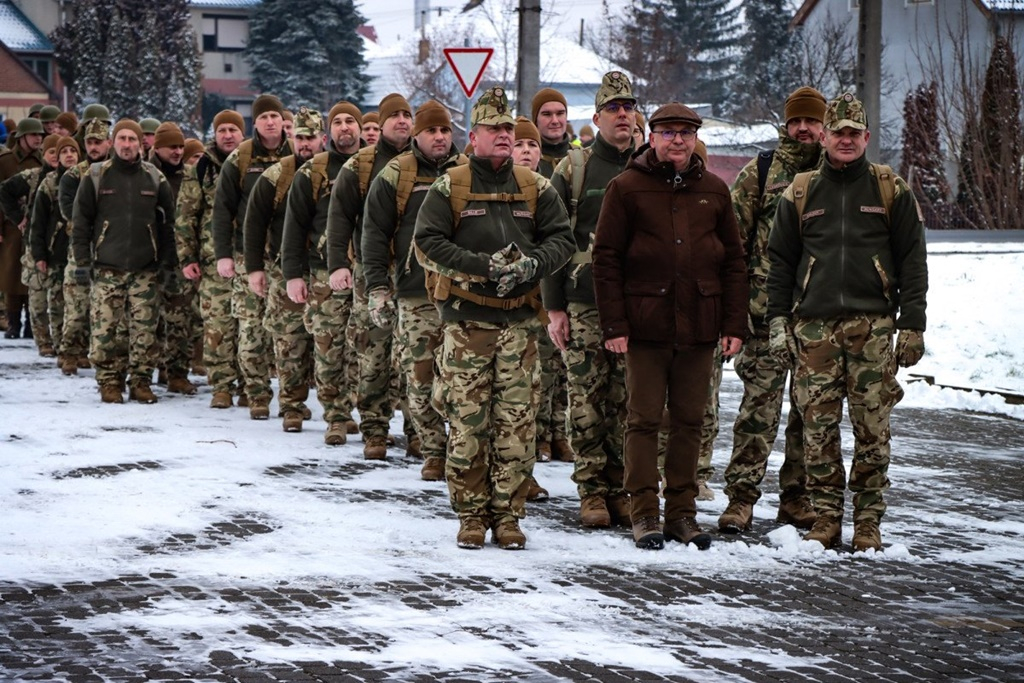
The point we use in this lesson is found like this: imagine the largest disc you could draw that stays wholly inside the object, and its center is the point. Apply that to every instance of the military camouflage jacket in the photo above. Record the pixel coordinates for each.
(846, 258)
(485, 228)
(233, 190)
(193, 214)
(48, 234)
(551, 154)
(755, 214)
(575, 282)
(344, 219)
(386, 244)
(304, 241)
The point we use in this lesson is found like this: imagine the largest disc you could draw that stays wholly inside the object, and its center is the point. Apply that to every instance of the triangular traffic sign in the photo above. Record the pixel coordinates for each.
(468, 63)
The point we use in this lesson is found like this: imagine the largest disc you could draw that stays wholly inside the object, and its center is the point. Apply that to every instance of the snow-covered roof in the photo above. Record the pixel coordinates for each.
(224, 4)
(1005, 5)
(20, 34)
(718, 134)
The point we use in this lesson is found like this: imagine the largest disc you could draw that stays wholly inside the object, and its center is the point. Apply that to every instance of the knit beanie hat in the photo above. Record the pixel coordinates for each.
(287, 115)
(526, 129)
(265, 103)
(371, 117)
(805, 102)
(192, 147)
(228, 116)
(586, 130)
(50, 141)
(130, 125)
(68, 121)
(391, 105)
(344, 107)
(543, 96)
(168, 135)
(67, 141)
(431, 113)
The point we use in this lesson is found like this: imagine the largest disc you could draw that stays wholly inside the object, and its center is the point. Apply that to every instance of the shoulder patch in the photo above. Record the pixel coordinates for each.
(542, 183)
(443, 185)
(273, 173)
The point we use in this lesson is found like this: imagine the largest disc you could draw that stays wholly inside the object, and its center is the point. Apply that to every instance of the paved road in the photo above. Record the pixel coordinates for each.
(951, 607)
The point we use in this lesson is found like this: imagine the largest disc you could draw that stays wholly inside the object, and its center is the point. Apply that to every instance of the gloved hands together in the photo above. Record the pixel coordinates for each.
(909, 347)
(515, 274)
(781, 344)
(382, 307)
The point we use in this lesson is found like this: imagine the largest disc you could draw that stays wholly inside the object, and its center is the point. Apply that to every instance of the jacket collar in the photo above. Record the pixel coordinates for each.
(851, 171)
(608, 152)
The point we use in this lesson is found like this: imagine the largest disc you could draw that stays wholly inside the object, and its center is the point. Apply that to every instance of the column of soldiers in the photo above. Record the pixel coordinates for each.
(363, 255)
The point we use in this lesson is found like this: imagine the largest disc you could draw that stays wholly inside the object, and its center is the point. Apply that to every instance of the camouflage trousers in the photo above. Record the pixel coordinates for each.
(220, 331)
(419, 335)
(596, 383)
(486, 390)
(55, 306)
(116, 295)
(175, 332)
(851, 358)
(38, 314)
(293, 344)
(553, 407)
(75, 335)
(255, 352)
(379, 380)
(334, 359)
(757, 424)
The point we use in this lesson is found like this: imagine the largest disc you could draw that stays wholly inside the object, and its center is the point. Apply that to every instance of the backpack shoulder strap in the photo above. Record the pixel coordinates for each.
(886, 180)
(577, 170)
(799, 186)
(364, 165)
(461, 182)
(527, 182)
(407, 167)
(764, 162)
(244, 159)
(318, 174)
(284, 180)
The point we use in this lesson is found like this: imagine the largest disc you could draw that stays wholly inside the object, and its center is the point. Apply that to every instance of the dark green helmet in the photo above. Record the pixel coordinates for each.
(96, 111)
(28, 126)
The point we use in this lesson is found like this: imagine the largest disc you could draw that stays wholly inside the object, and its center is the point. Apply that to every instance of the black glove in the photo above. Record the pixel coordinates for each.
(82, 275)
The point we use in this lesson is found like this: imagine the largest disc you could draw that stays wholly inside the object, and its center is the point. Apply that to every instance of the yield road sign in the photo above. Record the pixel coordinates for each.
(469, 64)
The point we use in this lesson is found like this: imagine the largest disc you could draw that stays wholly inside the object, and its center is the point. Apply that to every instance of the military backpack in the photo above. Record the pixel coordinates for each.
(884, 177)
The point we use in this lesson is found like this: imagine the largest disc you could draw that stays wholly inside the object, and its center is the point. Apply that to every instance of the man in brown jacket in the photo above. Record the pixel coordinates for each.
(670, 282)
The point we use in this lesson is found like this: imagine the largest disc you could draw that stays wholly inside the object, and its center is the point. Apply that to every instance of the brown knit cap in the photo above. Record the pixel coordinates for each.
(265, 103)
(68, 141)
(344, 107)
(431, 113)
(130, 125)
(68, 121)
(586, 130)
(543, 96)
(371, 117)
(50, 141)
(192, 147)
(228, 116)
(805, 102)
(168, 135)
(391, 105)
(525, 129)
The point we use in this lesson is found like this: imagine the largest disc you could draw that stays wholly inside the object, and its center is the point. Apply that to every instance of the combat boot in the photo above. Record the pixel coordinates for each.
(704, 492)
(243, 400)
(68, 366)
(141, 393)
(292, 421)
(827, 531)
(112, 393)
(866, 536)
(181, 385)
(307, 414)
(543, 451)
(84, 363)
(594, 512)
(535, 492)
(351, 427)
(413, 448)
(647, 533)
(433, 469)
(686, 530)
(376, 448)
(335, 434)
(259, 408)
(619, 508)
(472, 533)
(221, 399)
(736, 518)
(561, 450)
(508, 535)
(799, 512)
(47, 350)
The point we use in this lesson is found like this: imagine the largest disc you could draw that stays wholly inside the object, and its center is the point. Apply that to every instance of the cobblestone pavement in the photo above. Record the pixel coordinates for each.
(951, 609)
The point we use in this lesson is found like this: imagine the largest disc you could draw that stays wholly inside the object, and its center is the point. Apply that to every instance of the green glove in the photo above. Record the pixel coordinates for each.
(781, 344)
(516, 273)
(382, 307)
(909, 347)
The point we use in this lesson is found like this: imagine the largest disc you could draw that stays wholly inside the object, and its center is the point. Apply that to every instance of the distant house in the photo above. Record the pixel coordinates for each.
(222, 27)
(28, 72)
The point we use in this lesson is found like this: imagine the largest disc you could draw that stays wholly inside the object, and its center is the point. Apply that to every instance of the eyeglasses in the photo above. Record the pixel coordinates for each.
(668, 135)
(614, 107)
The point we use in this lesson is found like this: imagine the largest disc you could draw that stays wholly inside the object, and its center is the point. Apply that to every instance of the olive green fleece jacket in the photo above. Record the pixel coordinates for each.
(485, 228)
(847, 259)
(387, 241)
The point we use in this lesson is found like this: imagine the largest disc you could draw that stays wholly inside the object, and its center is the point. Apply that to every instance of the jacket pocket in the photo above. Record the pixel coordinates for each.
(649, 310)
(708, 324)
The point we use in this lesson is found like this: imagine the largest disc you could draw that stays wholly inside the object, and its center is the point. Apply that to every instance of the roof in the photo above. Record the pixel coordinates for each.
(986, 6)
(224, 4)
(20, 34)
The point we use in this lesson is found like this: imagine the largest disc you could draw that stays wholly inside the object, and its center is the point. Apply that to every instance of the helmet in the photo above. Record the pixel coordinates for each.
(28, 126)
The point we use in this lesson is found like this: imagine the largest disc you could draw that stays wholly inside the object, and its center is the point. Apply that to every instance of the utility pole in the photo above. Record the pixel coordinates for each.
(869, 69)
(528, 73)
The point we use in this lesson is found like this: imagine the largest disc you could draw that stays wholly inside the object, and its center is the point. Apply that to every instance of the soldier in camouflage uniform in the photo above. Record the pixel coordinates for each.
(755, 197)
(378, 391)
(488, 360)
(847, 271)
(596, 376)
(123, 231)
(392, 273)
(238, 176)
(95, 140)
(193, 237)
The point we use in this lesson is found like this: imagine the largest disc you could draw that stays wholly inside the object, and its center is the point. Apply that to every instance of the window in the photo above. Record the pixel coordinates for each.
(41, 67)
(224, 34)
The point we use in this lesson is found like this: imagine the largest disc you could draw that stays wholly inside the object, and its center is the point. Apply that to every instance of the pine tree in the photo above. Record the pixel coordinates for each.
(307, 52)
(139, 58)
(921, 161)
(708, 33)
(769, 68)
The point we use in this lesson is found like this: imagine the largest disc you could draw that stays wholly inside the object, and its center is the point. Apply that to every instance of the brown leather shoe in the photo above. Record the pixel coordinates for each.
(594, 513)
(112, 393)
(335, 434)
(376, 448)
(736, 518)
(535, 492)
(561, 450)
(221, 399)
(141, 393)
(433, 469)
(181, 385)
(800, 513)
(686, 530)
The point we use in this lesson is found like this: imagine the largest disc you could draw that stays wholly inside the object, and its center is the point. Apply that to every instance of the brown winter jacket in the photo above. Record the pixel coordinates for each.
(668, 261)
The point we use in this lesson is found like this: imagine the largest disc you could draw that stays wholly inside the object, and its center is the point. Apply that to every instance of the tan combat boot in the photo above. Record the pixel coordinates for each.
(472, 533)
(561, 450)
(181, 385)
(111, 393)
(535, 492)
(69, 366)
(292, 421)
(686, 530)
(376, 448)
(508, 535)
(413, 447)
(351, 427)
(619, 508)
(221, 399)
(141, 393)
(704, 492)
(736, 518)
(335, 434)
(594, 512)
(866, 536)
(543, 451)
(259, 408)
(827, 531)
(433, 469)
(800, 513)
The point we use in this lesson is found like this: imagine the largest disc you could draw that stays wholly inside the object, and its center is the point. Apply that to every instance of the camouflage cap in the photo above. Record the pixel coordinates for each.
(97, 129)
(614, 86)
(845, 111)
(309, 122)
(491, 109)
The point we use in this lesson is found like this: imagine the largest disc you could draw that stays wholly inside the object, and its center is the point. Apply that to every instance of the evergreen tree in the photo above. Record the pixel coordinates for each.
(708, 33)
(921, 161)
(769, 68)
(307, 52)
(138, 57)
